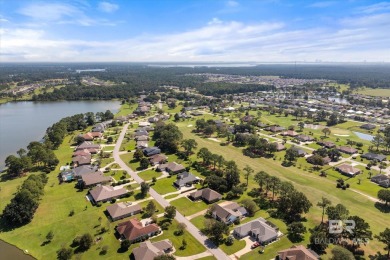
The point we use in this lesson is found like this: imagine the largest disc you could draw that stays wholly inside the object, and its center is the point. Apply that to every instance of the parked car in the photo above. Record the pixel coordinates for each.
(255, 245)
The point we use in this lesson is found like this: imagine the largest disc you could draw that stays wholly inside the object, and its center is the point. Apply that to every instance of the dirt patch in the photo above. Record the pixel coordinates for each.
(214, 139)
(341, 135)
(190, 126)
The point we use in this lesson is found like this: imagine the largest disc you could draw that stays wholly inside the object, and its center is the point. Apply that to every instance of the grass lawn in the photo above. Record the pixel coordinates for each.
(106, 161)
(313, 186)
(377, 92)
(188, 207)
(164, 186)
(171, 196)
(207, 258)
(237, 246)
(149, 174)
(117, 175)
(193, 246)
(198, 222)
(269, 251)
(126, 109)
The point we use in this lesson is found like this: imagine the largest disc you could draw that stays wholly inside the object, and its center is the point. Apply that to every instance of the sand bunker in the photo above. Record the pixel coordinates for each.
(189, 126)
(214, 139)
(340, 135)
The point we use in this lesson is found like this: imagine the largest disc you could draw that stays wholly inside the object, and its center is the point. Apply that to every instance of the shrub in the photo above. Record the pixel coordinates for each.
(229, 241)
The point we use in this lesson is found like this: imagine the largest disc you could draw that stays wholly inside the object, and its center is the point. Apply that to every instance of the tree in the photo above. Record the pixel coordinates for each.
(333, 119)
(326, 131)
(295, 231)
(318, 239)
(164, 257)
(144, 188)
(110, 139)
(248, 171)
(189, 145)
(50, 236)
(209, 130)
(125, 244)
(337, 212)
(138, 155)
(275, 183)
(341, 253)
(384, 237)
(183, 244)
(176, 117)
(86, 241)
(260, 178)
(361, 232)
(377, 140)
(205, 154)
(384, 195)
(215, 229)
(250, 206)
(301, 126)
(144, 163)
(64, 253)
(150, 208)
(232, 174)
(170, 212)
(216, 183)
(168, 137)
(324, 203)
(291, 154)
(316, 160)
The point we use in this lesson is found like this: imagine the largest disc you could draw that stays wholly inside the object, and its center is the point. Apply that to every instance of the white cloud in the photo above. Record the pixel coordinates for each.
(108, 7)
(322, 4)
(378, 7)
(354, 39)
(232, 3)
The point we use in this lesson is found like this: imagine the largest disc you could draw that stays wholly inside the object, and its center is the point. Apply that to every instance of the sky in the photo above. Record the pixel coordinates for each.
(194, 31)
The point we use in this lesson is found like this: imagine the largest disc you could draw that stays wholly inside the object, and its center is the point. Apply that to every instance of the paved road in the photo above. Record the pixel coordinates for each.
(218, 253)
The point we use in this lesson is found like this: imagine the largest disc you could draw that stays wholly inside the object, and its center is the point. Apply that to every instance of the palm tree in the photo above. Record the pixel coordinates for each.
(275, 183)
(260, 178)
(324, 203)
(248, 170)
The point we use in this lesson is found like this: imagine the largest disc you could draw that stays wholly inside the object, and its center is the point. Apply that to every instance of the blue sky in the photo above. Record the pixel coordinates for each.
(198, 30)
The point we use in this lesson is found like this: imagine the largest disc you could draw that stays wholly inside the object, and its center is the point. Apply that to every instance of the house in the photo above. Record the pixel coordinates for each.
(142, 144)
(290, 133)
(123, 210)
(84, 169)
(92, 179)
(275, 129)
(347, 149)
(247, 118)
(382, 180)
(151, 151)
(99, 127)
(86, 137)
(82, 160)
(279, 146)
(300, 151)
(297, 253)
(142, 138)
(374, 156)
(185, 179)
(325, 160)
(143, 124)
(133, 230)
(91, 147)
(304, 138)
(141, 132)
(148, 250)
(228, 212)
(106, 193)
(327, 144)
(348, 170)
(84, 152)
(172, 168)
(259, 230)
(158, 158)
(207, 194)
(368, 126)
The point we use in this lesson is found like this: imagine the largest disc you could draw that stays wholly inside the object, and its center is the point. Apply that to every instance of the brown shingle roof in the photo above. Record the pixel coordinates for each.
(297, 253)
(106, 192)
(148, 250)
(94, 178)
(133, 229)
(122, 209)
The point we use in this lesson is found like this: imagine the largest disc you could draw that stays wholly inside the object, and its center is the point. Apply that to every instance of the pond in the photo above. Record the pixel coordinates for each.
(364, 136)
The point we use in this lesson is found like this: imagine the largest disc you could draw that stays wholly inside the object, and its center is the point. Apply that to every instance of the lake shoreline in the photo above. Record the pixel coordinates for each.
(21, 254)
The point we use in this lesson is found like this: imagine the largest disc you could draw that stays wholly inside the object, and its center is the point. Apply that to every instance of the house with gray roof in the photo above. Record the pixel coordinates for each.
(374, 156)
(259, 229)
(81, 170)
(123, 210)
(228, 212)
(93, 178)
(148, 250)
(172, 168)
(151, 151)
(106, 193)
(207, 194)
(185, 178)
(382, 180)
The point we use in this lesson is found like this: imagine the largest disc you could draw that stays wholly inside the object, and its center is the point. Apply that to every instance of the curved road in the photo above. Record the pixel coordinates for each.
(218, 253)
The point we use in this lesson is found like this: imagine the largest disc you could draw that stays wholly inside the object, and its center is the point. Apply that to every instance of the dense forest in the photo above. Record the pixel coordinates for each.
(131, 78)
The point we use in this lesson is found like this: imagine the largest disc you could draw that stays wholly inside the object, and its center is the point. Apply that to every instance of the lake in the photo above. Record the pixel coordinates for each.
(23, 122)
(12, 252)
(364, 136)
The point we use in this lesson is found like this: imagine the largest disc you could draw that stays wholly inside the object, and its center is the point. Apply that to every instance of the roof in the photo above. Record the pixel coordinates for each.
(100, 193)
(279, 146)
(263, 231)
(223, 212)
(142, 138)
(184, 178)
(81, 170)
(174, 167)
(122, 209)
(81, 153)
(148, 250)
(158, 158)
(347, 149)
(82, 159)
(133, 229)
(374, 156)
(88, 145)
(348, 169)
(207, 194)
(297, 253)
(94, 178)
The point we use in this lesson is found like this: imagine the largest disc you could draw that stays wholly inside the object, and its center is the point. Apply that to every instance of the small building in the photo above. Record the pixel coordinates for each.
(106, 193)
(327, 144)
(304, 138)
(368, 127)
(207, 194)
(80, 160)
(275, 129)
(84, 169)
(348, 170)
(279, 146)
(325, 160)
(259, 230)
(151, 151)
(347, 149)
(133, 230)
(92, 179)
(290, 133)
(185, 179)
(158, 159)
(297, 253)
(172, 168)
(91, 147)
(228, 212)
(142, 138)
(382, 180)
(300, 151)
(123, 210)
(374, 156)
(84, 152)
(148, 250)
(143, 124)
(142, 144)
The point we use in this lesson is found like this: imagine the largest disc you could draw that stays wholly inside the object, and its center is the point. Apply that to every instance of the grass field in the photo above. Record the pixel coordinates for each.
(376, 92)
(164, 186)
(188, 207)
(149, 174)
